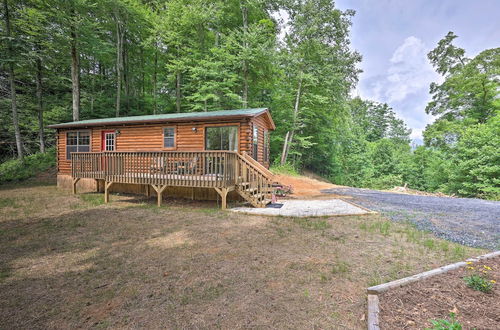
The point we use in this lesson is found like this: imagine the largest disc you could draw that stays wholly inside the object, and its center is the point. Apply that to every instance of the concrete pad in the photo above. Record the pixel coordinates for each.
(307, 208)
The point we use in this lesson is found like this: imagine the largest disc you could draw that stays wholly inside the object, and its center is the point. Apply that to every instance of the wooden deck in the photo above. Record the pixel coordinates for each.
(221, 170)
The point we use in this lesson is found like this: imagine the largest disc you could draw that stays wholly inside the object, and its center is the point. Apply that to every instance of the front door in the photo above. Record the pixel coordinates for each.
(108, 141)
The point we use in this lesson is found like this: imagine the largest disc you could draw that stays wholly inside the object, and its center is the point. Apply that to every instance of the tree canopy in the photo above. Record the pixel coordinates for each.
(81, 59)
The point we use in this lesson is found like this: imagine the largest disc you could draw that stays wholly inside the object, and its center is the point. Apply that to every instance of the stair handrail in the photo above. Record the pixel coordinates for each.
(258, 165)
(256, 181)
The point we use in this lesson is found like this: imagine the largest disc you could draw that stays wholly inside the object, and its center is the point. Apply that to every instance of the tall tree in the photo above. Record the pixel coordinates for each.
(75, 64)
(120, 36)
(12, 84)
(320, 66)
(468, 94)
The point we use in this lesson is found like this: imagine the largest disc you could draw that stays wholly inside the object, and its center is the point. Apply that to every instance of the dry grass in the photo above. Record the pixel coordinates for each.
(69, 261)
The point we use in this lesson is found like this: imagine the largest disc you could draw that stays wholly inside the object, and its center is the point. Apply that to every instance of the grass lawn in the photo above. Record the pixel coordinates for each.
(70, 261)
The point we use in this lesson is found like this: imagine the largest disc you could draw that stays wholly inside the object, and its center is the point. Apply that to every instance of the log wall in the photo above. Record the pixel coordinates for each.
(149, 137)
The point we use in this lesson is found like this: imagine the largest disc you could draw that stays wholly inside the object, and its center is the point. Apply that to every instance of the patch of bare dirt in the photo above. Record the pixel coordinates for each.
(305, 187)
(414, 305)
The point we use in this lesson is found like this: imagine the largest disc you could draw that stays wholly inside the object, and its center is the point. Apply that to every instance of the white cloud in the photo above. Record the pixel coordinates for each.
(409, 71)
(405, 84)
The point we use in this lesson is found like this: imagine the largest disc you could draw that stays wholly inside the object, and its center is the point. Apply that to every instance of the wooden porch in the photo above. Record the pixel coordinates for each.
(223, 171)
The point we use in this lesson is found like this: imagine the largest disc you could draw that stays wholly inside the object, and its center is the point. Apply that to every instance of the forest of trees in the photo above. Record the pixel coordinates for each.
(64, 60)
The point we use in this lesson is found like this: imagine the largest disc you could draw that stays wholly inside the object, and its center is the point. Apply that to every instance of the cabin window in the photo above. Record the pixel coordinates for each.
(255, 143)
(221, 138)
(77, 142)
(169, 137)
(266, 145)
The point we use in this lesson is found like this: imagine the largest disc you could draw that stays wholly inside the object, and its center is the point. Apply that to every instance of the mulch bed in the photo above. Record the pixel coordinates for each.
(414, 305)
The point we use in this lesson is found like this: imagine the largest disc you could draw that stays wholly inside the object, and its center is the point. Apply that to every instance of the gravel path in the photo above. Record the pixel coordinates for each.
(472, 222)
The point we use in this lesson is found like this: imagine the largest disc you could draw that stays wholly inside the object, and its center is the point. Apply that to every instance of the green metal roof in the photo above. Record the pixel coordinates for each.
(185, 116)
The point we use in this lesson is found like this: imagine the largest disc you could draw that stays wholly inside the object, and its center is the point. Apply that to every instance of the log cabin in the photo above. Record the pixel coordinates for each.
(198, 155)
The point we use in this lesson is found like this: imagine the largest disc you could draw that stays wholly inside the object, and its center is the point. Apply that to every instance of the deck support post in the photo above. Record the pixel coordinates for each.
(148, 192)
(159, 191)
(75, 181)
(223, 194)
(107, 185)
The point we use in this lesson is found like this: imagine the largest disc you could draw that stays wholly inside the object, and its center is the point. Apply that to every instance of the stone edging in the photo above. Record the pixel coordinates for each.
(374, 291)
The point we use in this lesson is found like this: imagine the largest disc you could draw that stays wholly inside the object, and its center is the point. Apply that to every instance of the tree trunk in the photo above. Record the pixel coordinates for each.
(92, 86)
(39, 102)
(178, 91)
(75, 72)
(126, 77)
(244, 12)
(119, 64)
(291, 133)
(155, 78)
(143, 80)
(285, 148)
(15, 120)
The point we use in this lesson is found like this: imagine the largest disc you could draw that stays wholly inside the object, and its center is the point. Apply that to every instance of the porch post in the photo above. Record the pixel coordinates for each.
(159, 192)
(75, 181)
(107, 185)
(223, 194)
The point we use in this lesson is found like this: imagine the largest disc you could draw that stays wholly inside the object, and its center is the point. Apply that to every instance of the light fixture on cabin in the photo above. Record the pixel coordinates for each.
(194, 129)
(117, 132)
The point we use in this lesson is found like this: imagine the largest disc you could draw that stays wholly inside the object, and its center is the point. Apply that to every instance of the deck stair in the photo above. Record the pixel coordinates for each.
(255, 182)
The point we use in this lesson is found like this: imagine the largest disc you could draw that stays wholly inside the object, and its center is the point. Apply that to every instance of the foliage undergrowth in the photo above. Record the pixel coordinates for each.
(442, 324)
(478, 279)
(16, 170)
(285, 169)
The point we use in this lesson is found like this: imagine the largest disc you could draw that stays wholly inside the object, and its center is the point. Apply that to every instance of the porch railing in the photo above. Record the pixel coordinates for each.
(211, 169)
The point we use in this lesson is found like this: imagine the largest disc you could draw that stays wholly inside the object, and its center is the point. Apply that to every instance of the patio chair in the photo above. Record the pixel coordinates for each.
(188, 167)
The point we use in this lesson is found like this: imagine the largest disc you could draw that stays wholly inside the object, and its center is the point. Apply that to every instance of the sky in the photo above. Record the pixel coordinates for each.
(394, 37)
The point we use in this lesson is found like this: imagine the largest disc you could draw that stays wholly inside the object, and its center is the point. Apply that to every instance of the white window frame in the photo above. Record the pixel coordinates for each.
(173, 138)
(77, 145)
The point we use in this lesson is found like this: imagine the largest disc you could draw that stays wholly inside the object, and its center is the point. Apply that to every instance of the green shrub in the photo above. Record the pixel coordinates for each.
(452, 324)
(286, 169)
(385, 182)
(16, 170)
(478, 283)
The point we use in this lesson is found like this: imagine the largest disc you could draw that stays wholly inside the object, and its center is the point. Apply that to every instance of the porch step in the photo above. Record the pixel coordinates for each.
(255, 183)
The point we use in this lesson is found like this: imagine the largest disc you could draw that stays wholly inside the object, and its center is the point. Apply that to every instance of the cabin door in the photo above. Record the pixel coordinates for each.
(108, 143)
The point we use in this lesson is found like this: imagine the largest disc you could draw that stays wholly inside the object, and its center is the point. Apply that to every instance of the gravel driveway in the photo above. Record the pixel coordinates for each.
(472, 222)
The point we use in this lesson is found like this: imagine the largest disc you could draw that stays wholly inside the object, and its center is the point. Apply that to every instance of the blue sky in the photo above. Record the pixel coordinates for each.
(394, 37)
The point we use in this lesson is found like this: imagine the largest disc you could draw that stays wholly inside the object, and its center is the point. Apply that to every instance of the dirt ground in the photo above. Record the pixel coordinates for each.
(413, 306)
(70, 261)
(306, 187)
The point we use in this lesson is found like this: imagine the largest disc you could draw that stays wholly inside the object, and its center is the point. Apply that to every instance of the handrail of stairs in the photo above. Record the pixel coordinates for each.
(258, 165)
(253, 184)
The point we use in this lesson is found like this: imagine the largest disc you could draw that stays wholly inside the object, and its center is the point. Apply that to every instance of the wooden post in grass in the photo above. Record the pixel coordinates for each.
(75, 181)
(223, 194)
(159, 191)
(107, 185)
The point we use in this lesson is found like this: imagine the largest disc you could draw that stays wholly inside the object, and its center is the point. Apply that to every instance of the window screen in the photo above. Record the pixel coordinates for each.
(169, 137)
(77, 142)
(221, 138)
